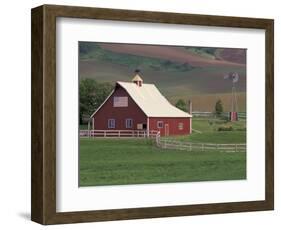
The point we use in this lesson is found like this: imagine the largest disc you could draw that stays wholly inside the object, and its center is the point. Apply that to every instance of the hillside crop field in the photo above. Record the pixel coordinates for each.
(116, 161)
(178, 72)
(206, 102)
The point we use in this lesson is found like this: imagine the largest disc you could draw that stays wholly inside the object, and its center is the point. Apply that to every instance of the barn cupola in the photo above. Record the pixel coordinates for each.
(137, 79)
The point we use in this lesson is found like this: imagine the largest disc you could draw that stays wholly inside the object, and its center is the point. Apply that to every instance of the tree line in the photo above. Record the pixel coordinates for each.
(91, 95)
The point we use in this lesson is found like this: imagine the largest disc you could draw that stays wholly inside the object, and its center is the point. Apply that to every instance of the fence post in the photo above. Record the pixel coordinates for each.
(104, 133)
(202, 147)
(190, 146)
(235, 147)
(157, 140)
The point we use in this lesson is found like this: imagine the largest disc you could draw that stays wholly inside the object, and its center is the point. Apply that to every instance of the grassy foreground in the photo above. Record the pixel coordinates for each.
(138, 161)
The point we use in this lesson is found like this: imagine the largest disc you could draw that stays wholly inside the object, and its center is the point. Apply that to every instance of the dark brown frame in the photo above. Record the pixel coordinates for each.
(43, 188)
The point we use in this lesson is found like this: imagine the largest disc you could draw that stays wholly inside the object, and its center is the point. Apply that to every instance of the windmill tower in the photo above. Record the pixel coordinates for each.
(233, 77)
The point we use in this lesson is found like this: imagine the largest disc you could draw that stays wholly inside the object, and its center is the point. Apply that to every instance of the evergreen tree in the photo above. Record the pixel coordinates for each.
(218, 107)
(181, 105)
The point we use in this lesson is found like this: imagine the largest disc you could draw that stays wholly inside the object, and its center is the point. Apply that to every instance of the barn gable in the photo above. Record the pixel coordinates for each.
(115, 92)
(120, 107)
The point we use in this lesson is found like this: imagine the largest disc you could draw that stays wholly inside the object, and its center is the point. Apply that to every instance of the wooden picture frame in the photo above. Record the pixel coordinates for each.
(43, 202)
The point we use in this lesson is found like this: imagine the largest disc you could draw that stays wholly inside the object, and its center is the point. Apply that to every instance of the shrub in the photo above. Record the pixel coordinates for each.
(225, 128)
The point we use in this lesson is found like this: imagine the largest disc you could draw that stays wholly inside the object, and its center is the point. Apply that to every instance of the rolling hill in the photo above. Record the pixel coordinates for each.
(178, 72)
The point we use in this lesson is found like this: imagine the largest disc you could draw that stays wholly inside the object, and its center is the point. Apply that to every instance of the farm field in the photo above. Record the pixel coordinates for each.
(116, 161)
(205, 102)
(180, 72)
(138, 161)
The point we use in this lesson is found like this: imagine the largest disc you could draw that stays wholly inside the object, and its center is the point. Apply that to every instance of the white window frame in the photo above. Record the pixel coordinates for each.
(111, 123)
(158, 124)
(126, 123)
(180, 126)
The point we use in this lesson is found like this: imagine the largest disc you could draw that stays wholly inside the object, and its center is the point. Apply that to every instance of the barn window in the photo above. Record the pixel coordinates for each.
(111, 123)
(159, 124)
(120, 102)
(129, 123)
(180, 126)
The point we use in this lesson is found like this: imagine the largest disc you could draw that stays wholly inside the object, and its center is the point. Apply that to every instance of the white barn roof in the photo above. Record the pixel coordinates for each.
(151, 101)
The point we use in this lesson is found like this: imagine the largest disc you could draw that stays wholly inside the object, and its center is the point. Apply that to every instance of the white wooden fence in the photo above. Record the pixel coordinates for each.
(166, 143)
(242, 115)
(119, 133)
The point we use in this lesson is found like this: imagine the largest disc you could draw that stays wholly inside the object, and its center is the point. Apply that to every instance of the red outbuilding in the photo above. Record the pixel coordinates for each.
(138, 106)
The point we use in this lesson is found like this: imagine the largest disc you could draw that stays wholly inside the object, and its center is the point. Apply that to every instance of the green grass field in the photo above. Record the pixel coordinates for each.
(209, 134)
(130, 161)
(116, 161)
(212, 124)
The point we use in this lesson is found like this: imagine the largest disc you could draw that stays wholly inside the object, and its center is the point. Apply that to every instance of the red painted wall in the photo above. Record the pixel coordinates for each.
(172, 124)
(107, 111)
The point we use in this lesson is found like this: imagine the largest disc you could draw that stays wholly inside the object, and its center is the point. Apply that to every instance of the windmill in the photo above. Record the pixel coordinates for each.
(233, 77)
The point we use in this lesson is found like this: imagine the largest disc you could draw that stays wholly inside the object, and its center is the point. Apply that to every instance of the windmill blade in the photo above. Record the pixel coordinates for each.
(226, 76)
(233, 76)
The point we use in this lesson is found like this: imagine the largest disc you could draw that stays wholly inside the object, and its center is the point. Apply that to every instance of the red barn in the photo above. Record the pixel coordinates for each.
(138, 106)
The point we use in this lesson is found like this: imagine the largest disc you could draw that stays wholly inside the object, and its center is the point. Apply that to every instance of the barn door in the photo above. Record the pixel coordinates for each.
(166, 129)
